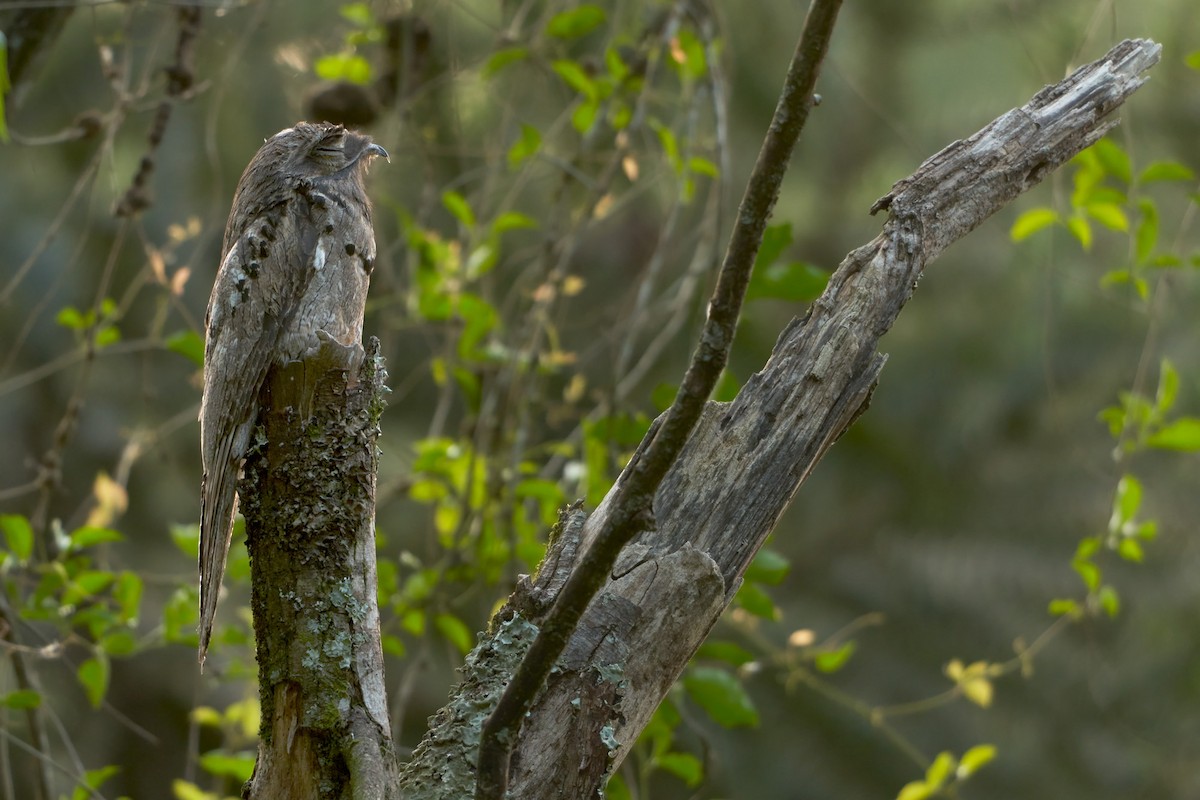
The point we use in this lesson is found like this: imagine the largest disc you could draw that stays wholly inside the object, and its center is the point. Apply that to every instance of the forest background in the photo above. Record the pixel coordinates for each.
(951, 522)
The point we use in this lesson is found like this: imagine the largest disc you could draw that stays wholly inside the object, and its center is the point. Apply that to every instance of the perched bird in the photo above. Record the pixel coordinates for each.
(296, 260)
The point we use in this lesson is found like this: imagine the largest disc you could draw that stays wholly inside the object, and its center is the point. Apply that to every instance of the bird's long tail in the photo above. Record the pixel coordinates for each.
(218, 502)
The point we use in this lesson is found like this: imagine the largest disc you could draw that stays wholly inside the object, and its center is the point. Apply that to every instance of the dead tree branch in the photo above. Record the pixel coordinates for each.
(740, 468)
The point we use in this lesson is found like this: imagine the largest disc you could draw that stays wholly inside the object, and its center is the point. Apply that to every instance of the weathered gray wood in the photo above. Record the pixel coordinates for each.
(745, 461)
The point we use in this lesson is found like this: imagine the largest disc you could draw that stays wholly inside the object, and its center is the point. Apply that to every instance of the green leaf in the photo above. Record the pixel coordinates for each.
(529, 142)
(187, 539)
(768, 567)
(670, 146)
(18, 535)
(456, 631)
(457, 205)
(721, 695)
(1130, 550)
(1114, 160)
(754, 599)
(1128, 499)
(703, 166)
(21, 699)
(940, 770)
(182, 790)
(90, 535)
(511, 221)
(795, 282)
(684, 766)
(729, 652)
(576, 78)
(93, 779)
(71, 317)
(917, 790)
(584, 115)
(180, 617)
(575, 22)
(1109, 600)
(1063, 607)
(974, 759)
(188, 344)
(1081, 230)
(616, 789)
(1182, 434)
(687, 55)
(833, 660)
(107, 335)
(1088, 571)
(1032, 221)
(1146, 235)
(93, 674)
(775, 239)
(1193, 59)
(394, 646)
(119, 642)
(1166, 171)
(502, 58)
(238, 766)
(1109, 215)
(127, 592)
(1168, 387)
(343, 67)
(358, 13)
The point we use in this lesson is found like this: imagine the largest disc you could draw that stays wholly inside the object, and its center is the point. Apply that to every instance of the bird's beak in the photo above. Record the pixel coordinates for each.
(377, 150)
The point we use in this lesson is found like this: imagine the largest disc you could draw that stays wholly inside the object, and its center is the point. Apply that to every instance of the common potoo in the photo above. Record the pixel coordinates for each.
(296, 260)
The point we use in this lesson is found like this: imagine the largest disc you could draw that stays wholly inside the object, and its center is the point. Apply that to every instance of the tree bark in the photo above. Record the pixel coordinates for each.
(308, 496)
(741, 467)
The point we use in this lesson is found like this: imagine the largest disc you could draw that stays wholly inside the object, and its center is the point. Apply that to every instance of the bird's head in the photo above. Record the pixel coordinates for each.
(315, 150)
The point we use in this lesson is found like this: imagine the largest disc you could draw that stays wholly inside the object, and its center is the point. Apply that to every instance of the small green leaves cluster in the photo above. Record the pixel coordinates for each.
(347, 64)
(1107, 192)
(656, 751)
(101, 325)
(778, 278)
(1137, 423)
(233, 762)
(87, 605)
(947, 774)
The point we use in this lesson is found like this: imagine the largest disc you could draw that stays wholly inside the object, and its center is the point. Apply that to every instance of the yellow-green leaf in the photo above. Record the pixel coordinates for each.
(833, 660)
(973, 759)
(1110, 215)
(575, 22)
(456, 631)
(721, 695)
(18, 535)
(457, 205)
(1081, 230)
(93, 675)
(1182, 434)
(940, 770)
(917, 790)
(1166, 171)
(1032, 221)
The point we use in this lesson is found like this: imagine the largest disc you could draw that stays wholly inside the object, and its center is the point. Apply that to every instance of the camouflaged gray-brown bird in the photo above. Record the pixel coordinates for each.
(296, 260)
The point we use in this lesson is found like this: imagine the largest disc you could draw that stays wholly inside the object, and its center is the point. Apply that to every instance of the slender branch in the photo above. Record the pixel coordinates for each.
(632, 509)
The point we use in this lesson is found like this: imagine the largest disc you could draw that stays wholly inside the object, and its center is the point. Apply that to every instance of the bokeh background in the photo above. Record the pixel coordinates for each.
(949, 514)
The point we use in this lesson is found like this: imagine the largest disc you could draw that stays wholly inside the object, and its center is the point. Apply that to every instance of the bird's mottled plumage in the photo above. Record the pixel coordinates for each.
(297, 257)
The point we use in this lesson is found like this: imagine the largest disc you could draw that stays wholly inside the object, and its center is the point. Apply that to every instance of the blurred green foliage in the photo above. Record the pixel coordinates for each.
(560, 184)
